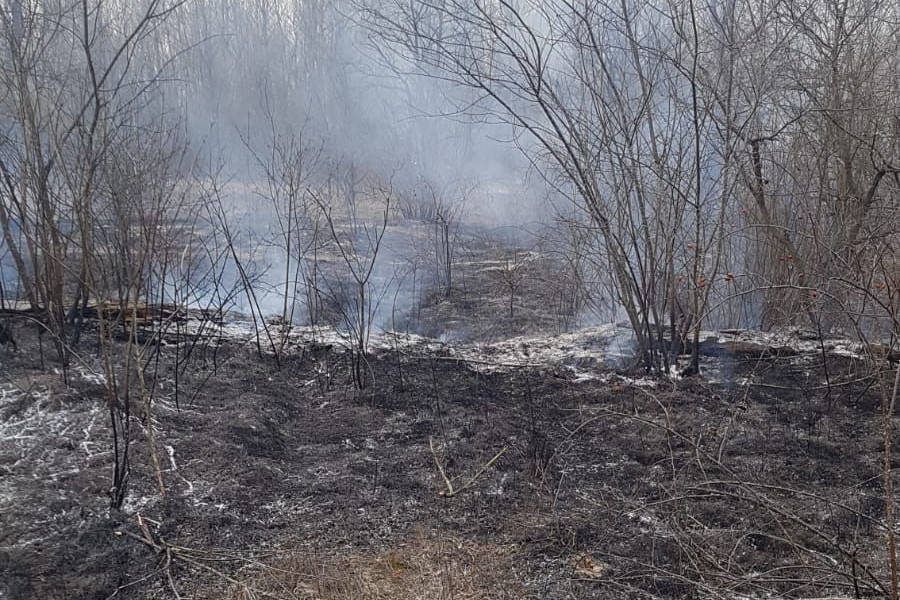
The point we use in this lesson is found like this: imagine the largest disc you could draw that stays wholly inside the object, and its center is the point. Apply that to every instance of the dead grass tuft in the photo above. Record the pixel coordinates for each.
(424, 567)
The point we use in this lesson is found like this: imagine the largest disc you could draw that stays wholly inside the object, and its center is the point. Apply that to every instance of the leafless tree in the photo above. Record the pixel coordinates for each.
(565, 74)
(287, 162)
(353, 289)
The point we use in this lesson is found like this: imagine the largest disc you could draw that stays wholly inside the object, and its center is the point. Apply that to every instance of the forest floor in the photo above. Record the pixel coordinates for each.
(762, 478)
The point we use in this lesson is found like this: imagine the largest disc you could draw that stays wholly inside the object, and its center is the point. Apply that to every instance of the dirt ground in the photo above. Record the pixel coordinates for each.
(285, 482)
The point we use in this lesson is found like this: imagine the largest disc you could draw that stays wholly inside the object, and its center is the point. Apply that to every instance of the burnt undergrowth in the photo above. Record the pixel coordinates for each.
(287, 482)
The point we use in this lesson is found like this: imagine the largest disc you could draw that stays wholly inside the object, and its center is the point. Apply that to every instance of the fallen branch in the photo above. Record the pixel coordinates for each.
(170, 553)
(450, 491)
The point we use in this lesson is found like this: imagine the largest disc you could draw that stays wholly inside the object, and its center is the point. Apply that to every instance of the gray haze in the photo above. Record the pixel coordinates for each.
(309, 70)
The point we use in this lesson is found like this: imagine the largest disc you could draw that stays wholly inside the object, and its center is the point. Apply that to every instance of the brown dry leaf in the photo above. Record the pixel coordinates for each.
(589, 567)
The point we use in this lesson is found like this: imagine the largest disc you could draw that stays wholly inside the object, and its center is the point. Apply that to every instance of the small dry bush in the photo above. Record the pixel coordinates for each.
(440, 568)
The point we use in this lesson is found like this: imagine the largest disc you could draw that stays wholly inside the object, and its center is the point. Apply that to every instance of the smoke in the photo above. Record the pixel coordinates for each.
(307, 69)
(266, 81)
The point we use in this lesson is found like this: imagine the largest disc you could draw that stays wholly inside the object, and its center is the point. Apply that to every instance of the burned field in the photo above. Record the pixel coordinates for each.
(456, 300)
(447, 477)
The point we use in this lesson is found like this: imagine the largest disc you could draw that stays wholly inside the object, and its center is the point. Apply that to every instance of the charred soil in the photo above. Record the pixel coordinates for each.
(287, 482)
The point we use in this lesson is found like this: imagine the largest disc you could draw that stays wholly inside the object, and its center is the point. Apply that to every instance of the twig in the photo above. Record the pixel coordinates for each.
(437, 463)
(450, 491)
(174, 552)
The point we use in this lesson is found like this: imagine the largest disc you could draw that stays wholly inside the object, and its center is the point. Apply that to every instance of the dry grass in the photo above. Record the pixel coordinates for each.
(424, 567)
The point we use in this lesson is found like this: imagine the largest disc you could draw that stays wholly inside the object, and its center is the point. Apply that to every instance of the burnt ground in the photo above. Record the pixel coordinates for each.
(284, 481)
(501, 287)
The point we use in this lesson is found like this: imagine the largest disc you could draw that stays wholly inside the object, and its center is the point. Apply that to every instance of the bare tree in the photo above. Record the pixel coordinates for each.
(353, 290)
(61, 128)
(288, 163)
(565, 74)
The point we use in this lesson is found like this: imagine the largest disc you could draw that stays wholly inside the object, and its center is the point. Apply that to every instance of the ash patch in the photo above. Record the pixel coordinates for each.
(603, 481)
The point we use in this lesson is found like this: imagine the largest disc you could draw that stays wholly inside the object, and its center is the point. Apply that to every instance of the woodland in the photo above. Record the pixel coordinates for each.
(459, 299)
